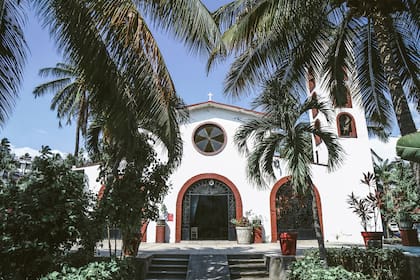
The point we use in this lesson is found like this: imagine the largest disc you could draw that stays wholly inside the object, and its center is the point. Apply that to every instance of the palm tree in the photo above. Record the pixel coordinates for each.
(118, 54)
(71, 99)
(12, 55)
(375, 39)
(285, 130)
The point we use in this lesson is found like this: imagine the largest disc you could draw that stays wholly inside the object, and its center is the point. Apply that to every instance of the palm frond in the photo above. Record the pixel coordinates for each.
(13, 49)
(189, 20)
(338, 60)
(371, 80)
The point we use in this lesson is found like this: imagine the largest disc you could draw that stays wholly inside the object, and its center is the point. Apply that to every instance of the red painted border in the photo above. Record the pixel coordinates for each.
(183, 190)
(353, 126)
(273, 193)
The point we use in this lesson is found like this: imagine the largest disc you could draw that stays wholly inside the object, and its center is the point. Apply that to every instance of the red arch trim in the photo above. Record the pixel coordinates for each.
(353, 133)
(183, 190)
(273, 217)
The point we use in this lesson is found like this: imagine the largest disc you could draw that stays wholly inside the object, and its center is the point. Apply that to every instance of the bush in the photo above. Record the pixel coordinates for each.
(42, 215)
(310, 268)
(384, 264)
(112, 270)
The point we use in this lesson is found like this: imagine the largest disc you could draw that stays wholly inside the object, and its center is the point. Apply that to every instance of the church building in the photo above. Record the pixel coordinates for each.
(211, 187)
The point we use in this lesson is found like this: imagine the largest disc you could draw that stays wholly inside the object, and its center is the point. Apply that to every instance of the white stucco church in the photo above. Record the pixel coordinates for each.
(210, 187)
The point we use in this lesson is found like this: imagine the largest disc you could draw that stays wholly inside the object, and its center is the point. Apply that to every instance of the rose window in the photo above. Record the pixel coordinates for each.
(209, 139)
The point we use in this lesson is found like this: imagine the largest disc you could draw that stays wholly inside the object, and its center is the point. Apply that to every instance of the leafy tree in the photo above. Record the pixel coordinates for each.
(375, 41)
(8, 163)
(136, 183)
(42, 216)
(118, 54)
(284, 128)
(71, 99)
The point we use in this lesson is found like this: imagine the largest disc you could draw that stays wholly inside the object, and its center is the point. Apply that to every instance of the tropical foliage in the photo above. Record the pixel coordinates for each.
(134, 190)
(408, 147)
(284, 131)
(112, 270)
(367, 208)
(399, 192)
(373, 45)
(13, 51)
(71, 99)
(42, 215)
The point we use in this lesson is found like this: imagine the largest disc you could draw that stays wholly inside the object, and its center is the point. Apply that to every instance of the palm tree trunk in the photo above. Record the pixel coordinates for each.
(317, 226)
(381, 25)
(76, 144)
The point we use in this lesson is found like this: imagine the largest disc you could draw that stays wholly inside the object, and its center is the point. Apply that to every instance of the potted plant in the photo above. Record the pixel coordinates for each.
(243, 230)
(368, 211)
(408, 233)
(257, 229)
(287, 209)
(161, 224)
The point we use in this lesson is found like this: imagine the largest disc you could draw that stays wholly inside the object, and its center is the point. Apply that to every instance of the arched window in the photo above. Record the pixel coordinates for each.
(346, 125)
(348, 99)
(348, 103)
(318, 139)
(311, 80)
(314, 110)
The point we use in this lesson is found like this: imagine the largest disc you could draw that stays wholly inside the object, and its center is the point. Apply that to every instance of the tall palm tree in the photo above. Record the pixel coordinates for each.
(285, 129)
(117, 52)
(71, 96)
(377, 38)
(12, 55)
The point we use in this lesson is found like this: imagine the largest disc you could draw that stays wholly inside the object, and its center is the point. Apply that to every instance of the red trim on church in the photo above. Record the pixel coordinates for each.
(183, 190)
(281, 182)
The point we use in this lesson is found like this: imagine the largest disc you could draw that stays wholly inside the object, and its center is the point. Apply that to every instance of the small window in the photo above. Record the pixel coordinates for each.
(209, 139)
(318, 139)
(314, 110)
(348, 103)
(346, 126)
(311, 80)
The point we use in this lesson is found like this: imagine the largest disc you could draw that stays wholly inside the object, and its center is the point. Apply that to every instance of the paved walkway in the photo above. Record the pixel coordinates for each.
(231, 247)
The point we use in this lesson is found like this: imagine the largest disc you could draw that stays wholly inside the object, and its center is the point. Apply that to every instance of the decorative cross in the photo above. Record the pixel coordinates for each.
(210, 96)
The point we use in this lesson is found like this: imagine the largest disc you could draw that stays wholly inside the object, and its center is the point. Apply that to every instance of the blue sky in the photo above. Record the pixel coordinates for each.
(32, 123)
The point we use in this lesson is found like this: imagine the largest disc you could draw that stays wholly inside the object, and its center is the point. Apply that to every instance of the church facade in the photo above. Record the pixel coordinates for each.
(211, 187)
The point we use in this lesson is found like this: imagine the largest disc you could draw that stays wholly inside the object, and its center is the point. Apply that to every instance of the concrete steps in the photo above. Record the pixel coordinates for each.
(168, 267)
(249, 266)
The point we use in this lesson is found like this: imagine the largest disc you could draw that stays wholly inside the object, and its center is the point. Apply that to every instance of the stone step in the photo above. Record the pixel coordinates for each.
(172, 267)
(246, 261)
(248, 274)
(168, 267)
(246, 266)
(165, 274)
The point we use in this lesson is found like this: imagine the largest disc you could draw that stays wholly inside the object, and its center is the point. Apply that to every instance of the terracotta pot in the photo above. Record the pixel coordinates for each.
(288, 243)
(258, 234)
(372, 239)
(409, 237)
(160, 233)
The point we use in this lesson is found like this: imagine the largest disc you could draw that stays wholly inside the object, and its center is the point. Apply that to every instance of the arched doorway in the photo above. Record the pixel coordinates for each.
(290, 211)
(205, 206)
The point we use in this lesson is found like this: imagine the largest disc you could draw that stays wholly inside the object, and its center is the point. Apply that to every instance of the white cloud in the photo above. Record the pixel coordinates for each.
(23, 150)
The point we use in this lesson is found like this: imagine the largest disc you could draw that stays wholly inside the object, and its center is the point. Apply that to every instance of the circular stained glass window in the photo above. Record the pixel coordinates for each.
(209, 139)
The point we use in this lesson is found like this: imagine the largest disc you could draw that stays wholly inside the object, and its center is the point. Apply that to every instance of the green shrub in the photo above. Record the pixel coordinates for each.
(42, 215)
(112, 270)
(384, 264)
(310, 268)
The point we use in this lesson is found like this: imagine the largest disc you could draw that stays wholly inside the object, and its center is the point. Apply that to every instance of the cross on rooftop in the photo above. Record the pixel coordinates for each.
(210, 96)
